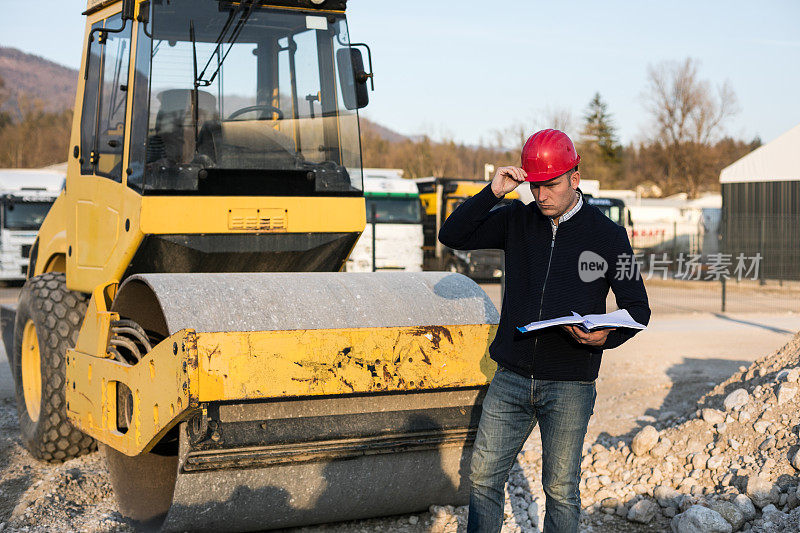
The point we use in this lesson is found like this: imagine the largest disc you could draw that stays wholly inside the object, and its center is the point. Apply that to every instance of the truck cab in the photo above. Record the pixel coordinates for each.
(613, 208)
(25, 199)
(394, 213)
(199, 122)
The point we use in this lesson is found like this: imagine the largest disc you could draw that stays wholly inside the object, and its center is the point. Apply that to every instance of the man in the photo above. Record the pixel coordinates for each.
(555, 252)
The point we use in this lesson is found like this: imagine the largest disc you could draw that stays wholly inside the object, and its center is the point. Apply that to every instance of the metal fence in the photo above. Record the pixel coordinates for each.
(752, 265)
(667, 238)
(728, 296)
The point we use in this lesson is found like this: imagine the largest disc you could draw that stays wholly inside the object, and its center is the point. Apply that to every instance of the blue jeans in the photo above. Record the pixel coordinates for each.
(512, 407)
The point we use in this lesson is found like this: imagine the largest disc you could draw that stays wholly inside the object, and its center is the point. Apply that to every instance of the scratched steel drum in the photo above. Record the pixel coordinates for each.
(295, 460)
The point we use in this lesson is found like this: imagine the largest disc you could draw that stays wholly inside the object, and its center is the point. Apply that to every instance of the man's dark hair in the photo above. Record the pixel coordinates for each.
(569, 172)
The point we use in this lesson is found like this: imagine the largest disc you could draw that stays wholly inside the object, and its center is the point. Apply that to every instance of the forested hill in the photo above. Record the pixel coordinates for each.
(32, 80)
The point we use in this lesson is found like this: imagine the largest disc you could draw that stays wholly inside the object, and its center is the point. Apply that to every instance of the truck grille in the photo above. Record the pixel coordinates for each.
(26, 251)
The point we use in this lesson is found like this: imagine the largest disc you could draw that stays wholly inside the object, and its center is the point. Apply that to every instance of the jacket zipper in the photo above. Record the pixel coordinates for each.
(544, 285)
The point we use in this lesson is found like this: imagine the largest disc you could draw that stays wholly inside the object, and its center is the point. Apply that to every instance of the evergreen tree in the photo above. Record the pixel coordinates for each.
(601, 154)
(599, 129)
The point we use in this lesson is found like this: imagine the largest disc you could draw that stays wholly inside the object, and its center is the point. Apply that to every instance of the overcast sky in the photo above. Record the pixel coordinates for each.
(465, 69)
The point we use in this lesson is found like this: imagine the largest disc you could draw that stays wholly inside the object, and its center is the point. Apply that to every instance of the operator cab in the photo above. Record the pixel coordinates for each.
(230, 98)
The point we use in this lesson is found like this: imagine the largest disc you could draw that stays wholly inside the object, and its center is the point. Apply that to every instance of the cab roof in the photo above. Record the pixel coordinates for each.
(20, 181)
(389, 186)
(326, 5)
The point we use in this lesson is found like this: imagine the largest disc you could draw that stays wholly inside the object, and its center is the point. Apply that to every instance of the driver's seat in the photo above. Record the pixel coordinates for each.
(248, 143)
(174, 121)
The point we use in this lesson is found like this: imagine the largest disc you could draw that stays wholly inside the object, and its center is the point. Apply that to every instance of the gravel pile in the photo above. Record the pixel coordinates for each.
(732, 465)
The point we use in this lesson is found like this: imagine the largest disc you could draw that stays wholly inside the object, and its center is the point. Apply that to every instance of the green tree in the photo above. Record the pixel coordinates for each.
(598, 146)
(599, 128)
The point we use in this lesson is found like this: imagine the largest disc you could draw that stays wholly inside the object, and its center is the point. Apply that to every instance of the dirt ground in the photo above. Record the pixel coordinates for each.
(661, 371)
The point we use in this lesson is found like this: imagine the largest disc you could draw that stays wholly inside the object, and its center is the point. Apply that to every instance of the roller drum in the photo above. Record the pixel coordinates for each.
(283, 462)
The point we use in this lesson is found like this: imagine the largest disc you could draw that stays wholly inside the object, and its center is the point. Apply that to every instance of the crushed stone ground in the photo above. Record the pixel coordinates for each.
(741, 441)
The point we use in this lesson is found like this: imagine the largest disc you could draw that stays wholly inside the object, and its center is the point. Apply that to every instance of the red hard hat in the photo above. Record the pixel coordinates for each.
(547, 154)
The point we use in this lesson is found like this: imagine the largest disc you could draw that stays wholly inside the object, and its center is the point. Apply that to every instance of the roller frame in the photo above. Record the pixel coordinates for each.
(190, 369)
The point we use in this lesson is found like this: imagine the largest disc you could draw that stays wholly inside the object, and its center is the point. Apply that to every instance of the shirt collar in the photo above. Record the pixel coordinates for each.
(569, 214)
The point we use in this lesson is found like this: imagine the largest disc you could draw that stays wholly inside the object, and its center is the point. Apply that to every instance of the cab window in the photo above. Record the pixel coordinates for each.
(106, 90)
(89, 112)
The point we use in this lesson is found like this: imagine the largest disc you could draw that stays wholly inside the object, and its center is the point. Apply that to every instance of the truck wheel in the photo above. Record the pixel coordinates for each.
(48, 319)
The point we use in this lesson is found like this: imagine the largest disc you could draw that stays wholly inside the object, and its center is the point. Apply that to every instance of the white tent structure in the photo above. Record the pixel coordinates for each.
(778, 160)
(761, 206)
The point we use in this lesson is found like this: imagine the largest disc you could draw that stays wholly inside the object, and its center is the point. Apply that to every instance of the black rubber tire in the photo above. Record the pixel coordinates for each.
(57, 313)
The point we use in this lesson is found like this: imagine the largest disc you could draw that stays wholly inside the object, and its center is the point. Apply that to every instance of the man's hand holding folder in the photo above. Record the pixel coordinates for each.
(592, 338)
(590, 329)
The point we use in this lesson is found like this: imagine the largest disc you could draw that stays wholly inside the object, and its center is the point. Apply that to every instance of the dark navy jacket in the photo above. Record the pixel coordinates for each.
(543, 281)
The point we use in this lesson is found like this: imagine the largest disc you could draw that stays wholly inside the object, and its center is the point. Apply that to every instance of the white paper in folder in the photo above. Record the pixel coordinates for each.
(616, 319)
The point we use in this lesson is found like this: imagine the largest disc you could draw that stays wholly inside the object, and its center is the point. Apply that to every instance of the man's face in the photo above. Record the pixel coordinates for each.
(555, 197)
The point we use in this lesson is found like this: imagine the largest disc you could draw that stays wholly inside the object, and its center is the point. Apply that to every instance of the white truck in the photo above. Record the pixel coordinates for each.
(677, 225)
(25, 198)
(394, 210)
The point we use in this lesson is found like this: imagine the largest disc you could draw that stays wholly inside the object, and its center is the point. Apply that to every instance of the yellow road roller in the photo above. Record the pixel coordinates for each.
(185, 308)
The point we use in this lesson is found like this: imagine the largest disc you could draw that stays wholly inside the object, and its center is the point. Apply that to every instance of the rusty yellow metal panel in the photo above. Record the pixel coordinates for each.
(160, 384)
(270, 364)
(188, 368)
(181, 215)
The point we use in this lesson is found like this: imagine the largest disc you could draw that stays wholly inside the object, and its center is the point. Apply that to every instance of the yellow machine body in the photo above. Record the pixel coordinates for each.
(97, 232)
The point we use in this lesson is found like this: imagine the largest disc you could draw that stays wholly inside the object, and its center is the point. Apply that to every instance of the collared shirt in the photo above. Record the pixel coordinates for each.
(568, 214)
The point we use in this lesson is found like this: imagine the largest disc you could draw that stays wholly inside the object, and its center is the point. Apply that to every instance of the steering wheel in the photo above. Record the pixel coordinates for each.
(264, 108)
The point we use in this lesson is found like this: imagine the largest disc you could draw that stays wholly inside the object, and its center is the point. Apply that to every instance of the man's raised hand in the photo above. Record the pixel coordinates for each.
(506, 179)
